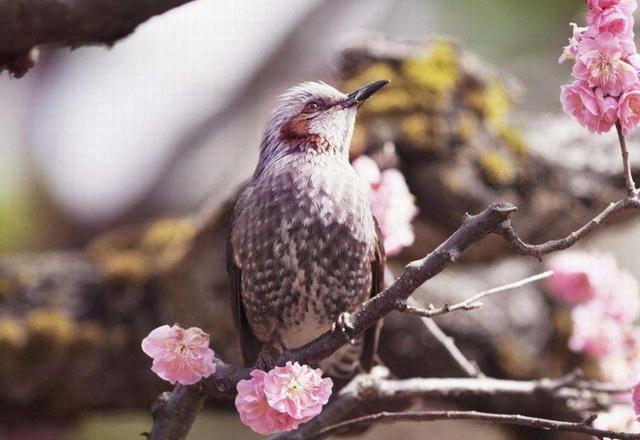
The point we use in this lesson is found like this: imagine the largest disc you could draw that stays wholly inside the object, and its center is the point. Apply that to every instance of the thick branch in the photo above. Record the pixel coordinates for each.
(174, 413)
(25, 24)
(510, 419)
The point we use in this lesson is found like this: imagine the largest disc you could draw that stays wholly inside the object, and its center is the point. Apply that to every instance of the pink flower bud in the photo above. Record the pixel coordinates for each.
(179, 355)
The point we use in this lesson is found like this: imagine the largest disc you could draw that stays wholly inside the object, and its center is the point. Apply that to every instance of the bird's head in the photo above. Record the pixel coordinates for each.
(315, 117)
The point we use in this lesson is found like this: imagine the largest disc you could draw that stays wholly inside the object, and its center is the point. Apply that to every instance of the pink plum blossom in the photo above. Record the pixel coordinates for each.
(392, 203)
(616, 20)
(297, 390)
(627, 5)
(367, 169)
(578, 276)
(622, 366)
(179, 355)
(629, 110)
(591, 109)
(594, 333)
(619, 418)
(255, 411)
(571, 50)
(600, 62)
(282, 399)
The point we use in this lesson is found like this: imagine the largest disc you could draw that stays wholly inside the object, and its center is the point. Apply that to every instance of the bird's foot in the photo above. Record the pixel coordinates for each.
(345, 325)
(266, 360)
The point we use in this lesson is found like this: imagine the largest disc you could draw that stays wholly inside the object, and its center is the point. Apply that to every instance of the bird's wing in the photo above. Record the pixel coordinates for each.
(249, 344)
(377, 285)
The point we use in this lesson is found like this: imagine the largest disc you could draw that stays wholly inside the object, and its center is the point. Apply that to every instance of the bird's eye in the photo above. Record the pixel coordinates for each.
(311, 107)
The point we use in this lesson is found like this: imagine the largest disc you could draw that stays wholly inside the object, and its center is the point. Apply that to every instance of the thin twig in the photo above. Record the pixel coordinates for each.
(509, 419)
(628, 177)
(470, 368)
(471, 303)
(508, 232)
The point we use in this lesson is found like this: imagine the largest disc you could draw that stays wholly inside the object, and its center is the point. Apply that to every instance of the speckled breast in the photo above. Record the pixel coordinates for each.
(304, 237)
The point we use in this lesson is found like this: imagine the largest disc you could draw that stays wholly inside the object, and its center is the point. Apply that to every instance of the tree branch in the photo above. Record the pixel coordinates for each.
(470, 368)
(628, 177)
(174, 413)
(26, 24)
(376, 389)
(510, 419)
(538, 250)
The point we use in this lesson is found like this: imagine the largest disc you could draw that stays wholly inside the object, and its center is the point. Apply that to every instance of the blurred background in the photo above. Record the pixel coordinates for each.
(169, 120)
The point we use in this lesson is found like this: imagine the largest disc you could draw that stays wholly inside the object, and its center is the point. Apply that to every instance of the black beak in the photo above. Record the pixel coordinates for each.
(363, 93)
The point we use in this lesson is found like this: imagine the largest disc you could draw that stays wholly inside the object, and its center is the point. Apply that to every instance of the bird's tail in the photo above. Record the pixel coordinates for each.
(344, 363)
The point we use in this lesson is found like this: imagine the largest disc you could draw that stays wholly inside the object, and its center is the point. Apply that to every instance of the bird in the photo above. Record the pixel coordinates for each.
(304, 248)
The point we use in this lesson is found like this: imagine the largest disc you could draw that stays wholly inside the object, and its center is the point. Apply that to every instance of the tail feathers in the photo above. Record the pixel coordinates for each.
(344, 363)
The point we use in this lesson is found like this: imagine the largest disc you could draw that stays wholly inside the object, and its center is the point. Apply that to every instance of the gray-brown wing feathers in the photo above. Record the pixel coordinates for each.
(370, 345)
(249, 344)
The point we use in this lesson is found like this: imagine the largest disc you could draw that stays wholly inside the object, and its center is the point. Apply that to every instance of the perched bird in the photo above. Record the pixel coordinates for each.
(304, 248)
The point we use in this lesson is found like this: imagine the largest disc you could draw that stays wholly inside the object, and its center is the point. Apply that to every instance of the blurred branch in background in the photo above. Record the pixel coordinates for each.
(25, 25)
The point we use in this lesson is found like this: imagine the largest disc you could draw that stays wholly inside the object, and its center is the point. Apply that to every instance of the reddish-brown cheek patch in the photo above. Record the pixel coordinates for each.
(295, 128)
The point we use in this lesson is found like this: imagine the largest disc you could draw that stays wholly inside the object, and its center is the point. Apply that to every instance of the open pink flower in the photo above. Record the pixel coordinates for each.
(601, 63)
(616, 20)
(622, 366)
(367, 169)
(179, 355)
(255, 411)
(629, 110)
(580, 276)
(394, 208)
(628, 5)
(570, 51)
(620, 418)
(591, 109)
(297, 390)
(392, 203)
(594, 333)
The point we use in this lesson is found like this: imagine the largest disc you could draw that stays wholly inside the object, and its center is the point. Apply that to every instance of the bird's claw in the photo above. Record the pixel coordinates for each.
(265, 360)
(345, 325)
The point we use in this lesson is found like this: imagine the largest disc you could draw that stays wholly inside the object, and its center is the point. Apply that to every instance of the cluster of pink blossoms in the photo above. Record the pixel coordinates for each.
(392, 203)
(283, 398)
(607, 86)
(605, 305)
(277, 401)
